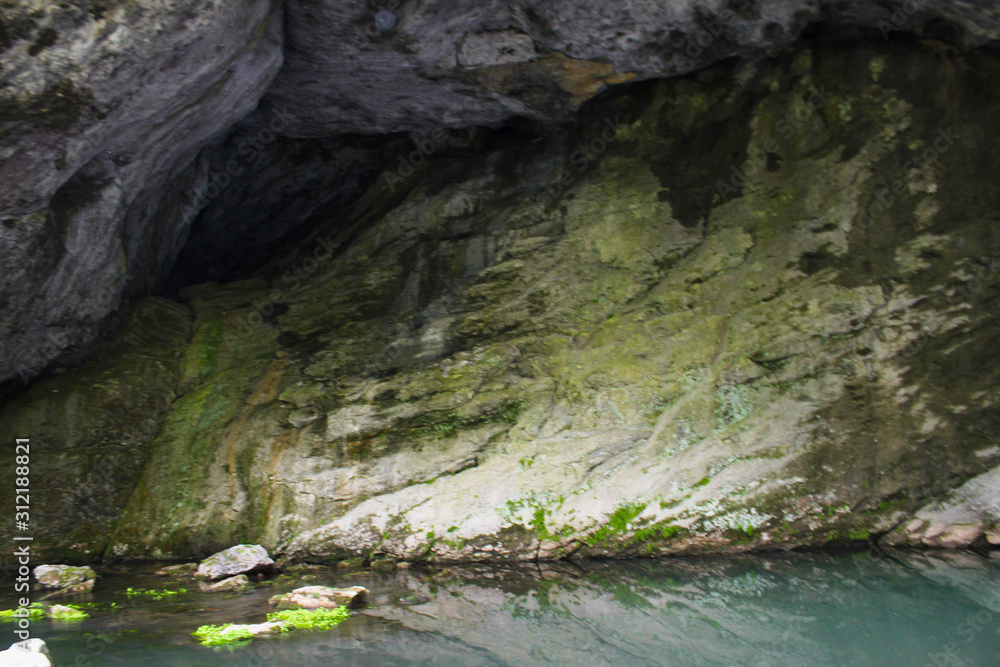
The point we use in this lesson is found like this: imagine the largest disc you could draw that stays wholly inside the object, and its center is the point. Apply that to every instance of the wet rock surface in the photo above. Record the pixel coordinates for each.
(321, 597)
(65, 577)
(749, 308)
(238, 560)
(112, 115)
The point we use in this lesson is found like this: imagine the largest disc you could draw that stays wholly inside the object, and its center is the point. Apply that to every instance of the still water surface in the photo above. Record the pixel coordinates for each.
(916, 608)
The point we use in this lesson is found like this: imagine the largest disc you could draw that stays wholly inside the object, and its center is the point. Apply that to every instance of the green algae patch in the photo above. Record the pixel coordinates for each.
(223, 635)
(35, 611)
(231, 634)
(617, 524)
(151, 593)
(311, 619)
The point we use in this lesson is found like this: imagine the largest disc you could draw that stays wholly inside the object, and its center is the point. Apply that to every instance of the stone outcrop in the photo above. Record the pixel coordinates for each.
(747, 309)
(115, 116)
(753, 307)
(228, 585)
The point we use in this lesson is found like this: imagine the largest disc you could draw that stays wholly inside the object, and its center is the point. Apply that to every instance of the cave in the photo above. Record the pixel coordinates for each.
(415, 283)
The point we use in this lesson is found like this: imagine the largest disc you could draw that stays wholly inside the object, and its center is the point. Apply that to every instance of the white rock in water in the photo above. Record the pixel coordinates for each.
(65, 576)
(317, 597)
(241, 559)
(30, 653)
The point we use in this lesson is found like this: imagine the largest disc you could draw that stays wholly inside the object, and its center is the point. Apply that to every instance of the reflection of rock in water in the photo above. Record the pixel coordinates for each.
(782, 610)
(369, 643)
(964, 571)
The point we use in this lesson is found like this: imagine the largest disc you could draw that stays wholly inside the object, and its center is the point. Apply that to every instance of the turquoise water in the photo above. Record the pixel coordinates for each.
(919, 608)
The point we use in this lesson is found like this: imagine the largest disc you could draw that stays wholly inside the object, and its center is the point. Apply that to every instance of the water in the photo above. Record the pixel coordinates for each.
(930, 608)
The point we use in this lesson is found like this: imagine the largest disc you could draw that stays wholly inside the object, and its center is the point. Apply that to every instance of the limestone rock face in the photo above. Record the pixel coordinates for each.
(470, 63)
(100, 108)
(89, 432)
(241, 559)
(106, 109)
(751, 308)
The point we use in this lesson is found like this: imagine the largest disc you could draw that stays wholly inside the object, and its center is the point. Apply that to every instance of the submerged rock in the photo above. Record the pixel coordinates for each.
(238, 583)
(65, 578)
(29, 653)
(241, 559)
(63, 613)
(179, 570)
(351, 564)
(321, 597)
(383, 564)
(233, 633)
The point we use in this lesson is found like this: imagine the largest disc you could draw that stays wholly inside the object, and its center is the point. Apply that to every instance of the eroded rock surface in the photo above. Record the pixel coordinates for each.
(112, 113)
(752, 307)
(713, 316)
(102, 105)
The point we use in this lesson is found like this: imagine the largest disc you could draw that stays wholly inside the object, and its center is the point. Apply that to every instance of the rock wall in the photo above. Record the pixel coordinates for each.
(748, 308)
(107, 106)
(102, 105)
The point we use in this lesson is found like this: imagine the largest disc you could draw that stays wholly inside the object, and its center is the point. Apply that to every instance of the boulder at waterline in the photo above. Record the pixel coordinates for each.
(321, 597)
(66, 578)
(231, 633)
(241, 559)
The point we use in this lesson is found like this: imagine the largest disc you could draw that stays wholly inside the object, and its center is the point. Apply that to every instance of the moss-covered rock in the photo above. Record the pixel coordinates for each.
(90, 432)
(758, 317)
